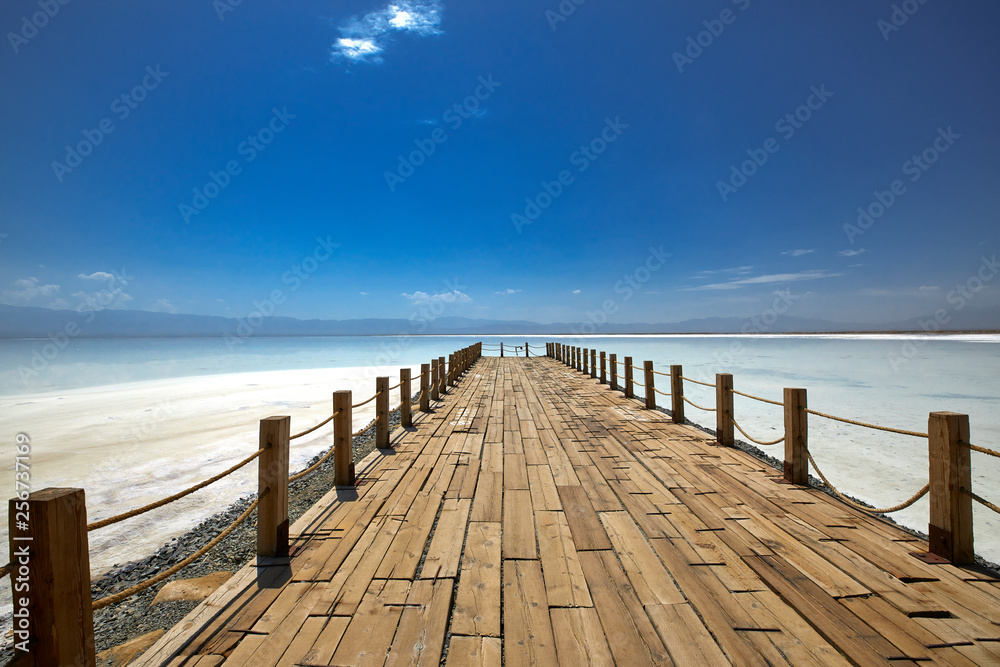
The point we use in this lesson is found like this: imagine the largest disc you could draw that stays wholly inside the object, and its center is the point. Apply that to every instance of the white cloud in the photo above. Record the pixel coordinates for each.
(766, 280)
(851, 253)
(163, 306)
(96, 275)
(27, 292)
(454, 296)
(797, 253)
(508, 291)
(364, 39)
(928, 288)
(738, 270)
(363, 293)
(576, 291)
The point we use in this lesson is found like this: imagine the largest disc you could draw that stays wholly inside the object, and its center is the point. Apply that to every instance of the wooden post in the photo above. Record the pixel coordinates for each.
(451, 370)
(501, 348)
(405, 399)
(724, 409)
(442, 378)
(579, 359)
(434, 380)
(647, 367)
(343, 440)
(604, 368)
(585, 356)
(526, 349)
(796, 437)
(613, 375)
(382, 413)
(950, 527)
(425, 382)
(629, 389)
(677, 394)
(272, 487)
(50, 554)
(593, 363)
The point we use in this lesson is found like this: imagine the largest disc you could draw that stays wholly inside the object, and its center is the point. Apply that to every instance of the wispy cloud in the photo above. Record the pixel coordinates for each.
(851, 253)
(737, 270)
(455, 296)
(96, 275)
(163, 306)
(364, 39)
(28, 292)
(765, 280)
(508, 291)
(797, 253)
(576, 291)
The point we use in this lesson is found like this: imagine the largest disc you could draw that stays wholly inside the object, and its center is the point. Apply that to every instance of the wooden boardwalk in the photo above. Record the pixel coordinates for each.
(536, 517)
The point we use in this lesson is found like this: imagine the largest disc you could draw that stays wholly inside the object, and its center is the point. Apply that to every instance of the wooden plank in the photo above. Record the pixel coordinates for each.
(445, 551)
(587, 529)
(370, 631)
(565, 585)
(322, 650)
(477, 602)
(651, 581)
(518, 525)
(543, 489)
(474, 652)
(688, 641)
(580, 637)
(528, 636)
(403, 556)
(303, 641)
(630, 634)
(420, 636)
(351, 582)
(515, 472)
(487, 506)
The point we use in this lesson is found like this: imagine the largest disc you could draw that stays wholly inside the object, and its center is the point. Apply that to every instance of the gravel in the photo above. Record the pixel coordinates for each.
(134, 616)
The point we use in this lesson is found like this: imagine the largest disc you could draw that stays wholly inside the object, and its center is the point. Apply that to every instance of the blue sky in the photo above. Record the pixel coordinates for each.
(649, 161)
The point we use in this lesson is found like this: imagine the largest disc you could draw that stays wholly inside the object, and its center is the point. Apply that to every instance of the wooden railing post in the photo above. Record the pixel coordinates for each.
(452, 374)
(579, 359)
(272, 487)
(593, 363)
(796, 437)
(949, 529)
(629, 388)
(343, 440)
(501, 348)
(677, 394)
(613, 374)
(724, 409)
(442, 378)
(527, 348)
(425, 383)
(382, 413)
(50, 554)
(604, 368)
(434, 380)
(647, 367)
(583, 361)
(405, 398)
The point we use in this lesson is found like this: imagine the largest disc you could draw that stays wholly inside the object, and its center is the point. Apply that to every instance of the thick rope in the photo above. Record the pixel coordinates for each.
(758, 398)
(705, 384)
(319, 425)
(661, 373)
(664, 393)
(754, 440)
(871, 510)
(138, 588)
(698, 406)
(915, 434)
(983, 450)
(160, 503)
(982, 501)
(419, 396)
(358, 405)
(5, 570)
(396, 386)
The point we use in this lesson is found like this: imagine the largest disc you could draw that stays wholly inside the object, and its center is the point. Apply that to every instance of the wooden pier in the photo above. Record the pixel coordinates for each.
(536, 517)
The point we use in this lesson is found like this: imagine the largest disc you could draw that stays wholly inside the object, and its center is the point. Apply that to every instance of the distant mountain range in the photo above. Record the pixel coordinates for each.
(26, 322)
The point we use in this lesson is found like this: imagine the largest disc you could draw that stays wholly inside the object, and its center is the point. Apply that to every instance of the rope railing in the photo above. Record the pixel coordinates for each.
(396, 386)
(319, 425)
(690, 402)
(754, 440)
(662, 393)
(888, 429)
(358, 405)
(152, 581)
(169, 499)
(662, 373)
(864, 508)
(983, 450)
(6, 569)
(704, 384)
(982, 501)
(758, 398)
